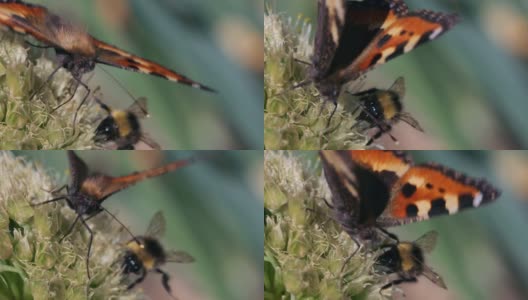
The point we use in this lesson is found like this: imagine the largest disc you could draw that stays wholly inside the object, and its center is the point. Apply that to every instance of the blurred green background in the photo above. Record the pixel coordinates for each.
(468, 89)
(213, 210)
(216, 43)
(481, 253)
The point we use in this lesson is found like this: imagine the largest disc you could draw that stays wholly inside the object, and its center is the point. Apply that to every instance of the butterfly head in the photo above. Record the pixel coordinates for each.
(329, 91)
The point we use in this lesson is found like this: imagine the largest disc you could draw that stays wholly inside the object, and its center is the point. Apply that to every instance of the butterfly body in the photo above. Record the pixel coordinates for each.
(354, 36)
(406, 259)
(373, 189)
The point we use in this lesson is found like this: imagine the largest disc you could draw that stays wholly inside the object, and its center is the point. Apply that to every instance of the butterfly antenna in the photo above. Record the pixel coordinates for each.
(123, 225)
(122, 87)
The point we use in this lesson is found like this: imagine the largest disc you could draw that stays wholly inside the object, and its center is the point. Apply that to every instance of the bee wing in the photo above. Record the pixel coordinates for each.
(407, 118)
(157, 225)
(179, 257)
(147, 139)
(434, 277)
(399, 86)
(427, 242)
(113, 56)
(28, 19)
(139, 108)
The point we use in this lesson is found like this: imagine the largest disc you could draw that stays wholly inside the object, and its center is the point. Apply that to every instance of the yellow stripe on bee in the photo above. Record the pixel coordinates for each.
(121, 119)
(407, 261)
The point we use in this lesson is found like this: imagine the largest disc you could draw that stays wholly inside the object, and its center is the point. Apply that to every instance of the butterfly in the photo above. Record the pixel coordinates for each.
(354, 36)
(373, 189)
(88, 190)
(77, 51)
(383, 108)
(122, 127)
(149, 255)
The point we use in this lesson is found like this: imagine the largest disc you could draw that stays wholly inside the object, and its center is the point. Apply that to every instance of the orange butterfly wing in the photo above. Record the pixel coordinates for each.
(27, 19)
(359, 181)
(400, 33)
(430, 190)
(113, 56)
(108, 185)
(380, 161)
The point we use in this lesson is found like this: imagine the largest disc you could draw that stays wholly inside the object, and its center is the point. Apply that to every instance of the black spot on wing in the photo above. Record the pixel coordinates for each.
(465, 201)
(375, 59)
(400, 49)
(411, 210)
(428, 186)
(408, 190)
(438, 207)
(384, 40)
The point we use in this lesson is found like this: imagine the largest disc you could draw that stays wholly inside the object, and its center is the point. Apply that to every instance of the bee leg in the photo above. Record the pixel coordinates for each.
(398, 281)
(137, 281)
(89, 247)
(165, 281)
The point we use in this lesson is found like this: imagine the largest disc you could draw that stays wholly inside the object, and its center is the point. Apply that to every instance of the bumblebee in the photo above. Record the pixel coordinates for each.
(122, 127)
(383, 108)
(407, 261)
(145, 253)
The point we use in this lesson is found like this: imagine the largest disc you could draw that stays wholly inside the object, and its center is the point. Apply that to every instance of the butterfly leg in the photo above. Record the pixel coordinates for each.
(70, 229)
(89, 247)
(137, 281)
(389, 234)
(38, 46)
(302, 61)
(165, 281)
(332, 114)
(88, 91)
(55, 191)
(69, 99)
(49, 201)
(50, 76)
(347, 260)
